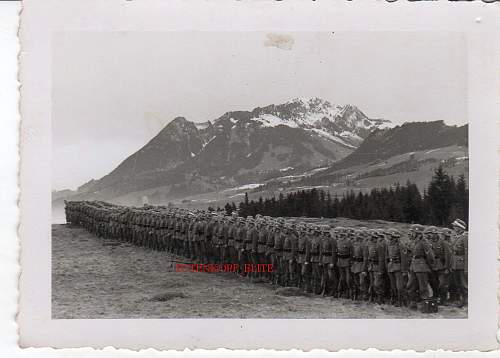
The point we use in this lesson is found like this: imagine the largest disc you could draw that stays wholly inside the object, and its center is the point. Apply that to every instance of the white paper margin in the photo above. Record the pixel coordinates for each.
(479, 21)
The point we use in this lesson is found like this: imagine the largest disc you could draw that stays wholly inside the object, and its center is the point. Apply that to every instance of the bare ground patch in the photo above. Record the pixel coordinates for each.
(167, 296)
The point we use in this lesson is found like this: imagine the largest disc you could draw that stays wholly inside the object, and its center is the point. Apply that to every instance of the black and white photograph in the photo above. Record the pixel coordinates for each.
(259, 175)
(253, 175)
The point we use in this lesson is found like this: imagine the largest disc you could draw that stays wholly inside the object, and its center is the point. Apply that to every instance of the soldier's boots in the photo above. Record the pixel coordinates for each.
(325, 288)
(405, 300)
(190, 251)
(461, 300)
(268, 277)
(314, 285)
(413, 299)
(355, 294)
(308, 286)
(442, 299)
(272, 277)
(294, 282)
(454, 296)
(299, 280)
(401, 301)
(347, 293)
(318, 286)
(340, 290)
(342, 293)
(330, 292)
(293, 279)
(447, 302)
(277, 277)
(371, 296)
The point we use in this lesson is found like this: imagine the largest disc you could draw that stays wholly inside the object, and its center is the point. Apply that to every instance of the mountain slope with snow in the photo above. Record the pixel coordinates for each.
(238, 148)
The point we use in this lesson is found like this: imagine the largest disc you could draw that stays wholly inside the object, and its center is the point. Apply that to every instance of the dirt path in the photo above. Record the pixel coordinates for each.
(90, 280)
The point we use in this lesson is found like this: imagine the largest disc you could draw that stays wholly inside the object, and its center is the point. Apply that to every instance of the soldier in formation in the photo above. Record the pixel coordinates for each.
(376, 265)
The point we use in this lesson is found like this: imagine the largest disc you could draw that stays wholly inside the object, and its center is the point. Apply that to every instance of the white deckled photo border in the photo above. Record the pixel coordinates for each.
(40, 20)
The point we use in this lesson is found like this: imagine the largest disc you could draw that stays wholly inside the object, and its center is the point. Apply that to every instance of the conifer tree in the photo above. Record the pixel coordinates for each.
(440, 197)
(442, 201)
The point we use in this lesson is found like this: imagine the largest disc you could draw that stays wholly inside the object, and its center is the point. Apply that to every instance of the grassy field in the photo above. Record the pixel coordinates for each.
(90, 280)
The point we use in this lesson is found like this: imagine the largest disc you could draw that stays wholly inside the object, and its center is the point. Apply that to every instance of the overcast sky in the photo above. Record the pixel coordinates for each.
(114, 91)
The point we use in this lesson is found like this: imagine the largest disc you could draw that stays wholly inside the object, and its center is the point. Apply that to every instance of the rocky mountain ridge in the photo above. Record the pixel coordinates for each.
(239, 147)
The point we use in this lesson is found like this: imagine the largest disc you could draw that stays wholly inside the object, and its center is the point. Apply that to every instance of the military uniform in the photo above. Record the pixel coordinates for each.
(328, 254)
(304, 255)
(395, 257)
(223, 238)
(440, 275)
(250, 251)
(183, 236)
(344, 254)
(210, 246)
(163, 232)
(240, 243)
(359, 264)
(376, 265)
(231, 251)
(156, 227)
(289, 252)
(261, 248)
(270, 250)
(216, 240)
(314, 260)
(459, 263)
(170, 232)
(201, 240)
(301, 255)
(278, 254)
(422, 261)
(306, 266)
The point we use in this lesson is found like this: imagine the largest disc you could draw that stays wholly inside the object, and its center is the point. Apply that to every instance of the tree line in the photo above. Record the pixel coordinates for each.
(444, 200)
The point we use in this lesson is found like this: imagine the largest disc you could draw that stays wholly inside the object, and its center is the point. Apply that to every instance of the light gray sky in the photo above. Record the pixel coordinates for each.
(113, 91)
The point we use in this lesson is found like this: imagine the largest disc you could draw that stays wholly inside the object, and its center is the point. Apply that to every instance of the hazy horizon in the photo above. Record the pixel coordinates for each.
(114, 91)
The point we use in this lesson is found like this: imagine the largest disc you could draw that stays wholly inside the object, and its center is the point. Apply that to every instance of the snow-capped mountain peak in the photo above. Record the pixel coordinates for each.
(240, 146)
(342, 123)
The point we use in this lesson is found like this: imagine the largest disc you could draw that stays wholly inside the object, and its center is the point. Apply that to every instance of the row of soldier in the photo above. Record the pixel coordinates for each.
(357, 263)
